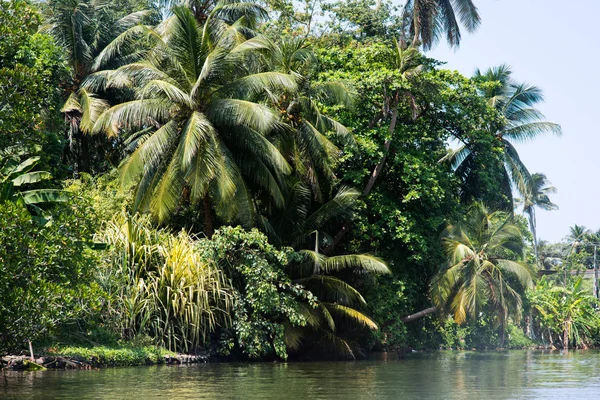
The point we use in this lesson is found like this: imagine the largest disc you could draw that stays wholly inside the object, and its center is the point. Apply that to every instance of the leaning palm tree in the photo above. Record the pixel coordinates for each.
(200, 130)
(426, 21)
(537, 195)
(515, 102)
(83, 28)
(484, 270)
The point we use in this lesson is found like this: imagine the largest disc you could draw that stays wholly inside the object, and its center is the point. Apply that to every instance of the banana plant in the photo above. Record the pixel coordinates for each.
(17, 175)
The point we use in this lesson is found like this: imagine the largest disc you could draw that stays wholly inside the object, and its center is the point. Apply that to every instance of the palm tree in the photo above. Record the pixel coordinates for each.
(536, 195)
(515, 102)
(308, 149)
(201, 133)
(578, 234)
(303, 226)
(483, 271)
(83, 28)
(428, 20)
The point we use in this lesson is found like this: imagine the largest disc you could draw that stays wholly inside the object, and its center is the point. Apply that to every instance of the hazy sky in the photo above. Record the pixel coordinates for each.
(552, 44)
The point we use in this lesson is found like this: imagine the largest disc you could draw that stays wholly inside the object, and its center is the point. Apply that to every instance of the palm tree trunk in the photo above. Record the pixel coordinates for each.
(209, 228)
(531, 215)
(420, 314)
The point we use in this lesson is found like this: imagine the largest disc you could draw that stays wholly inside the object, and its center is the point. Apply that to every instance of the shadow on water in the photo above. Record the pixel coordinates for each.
(434, 375)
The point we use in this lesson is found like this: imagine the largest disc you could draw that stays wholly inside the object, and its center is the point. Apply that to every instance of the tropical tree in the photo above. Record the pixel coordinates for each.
(200, 132)
(515, 102)
(567, 311)
(427, 20)
(536, 195)
(225, 10)
(311, 153)
(407, 65)
(484, 271)
(83, 28)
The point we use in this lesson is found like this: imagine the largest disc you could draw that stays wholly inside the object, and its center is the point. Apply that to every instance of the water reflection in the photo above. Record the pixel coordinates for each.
(437, 375)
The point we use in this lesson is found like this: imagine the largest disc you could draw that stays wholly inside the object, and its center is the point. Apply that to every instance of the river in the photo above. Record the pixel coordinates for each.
(434, 375)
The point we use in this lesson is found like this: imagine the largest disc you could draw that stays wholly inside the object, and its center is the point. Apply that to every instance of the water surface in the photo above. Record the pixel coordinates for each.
(437, 375)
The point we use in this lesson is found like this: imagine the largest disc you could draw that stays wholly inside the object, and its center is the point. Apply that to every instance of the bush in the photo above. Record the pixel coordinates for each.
(157, 283)
(265, 299)
(115, 356)
(43, 272)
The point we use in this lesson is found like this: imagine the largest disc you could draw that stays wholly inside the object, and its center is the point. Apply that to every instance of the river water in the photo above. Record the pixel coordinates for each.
(435, 375)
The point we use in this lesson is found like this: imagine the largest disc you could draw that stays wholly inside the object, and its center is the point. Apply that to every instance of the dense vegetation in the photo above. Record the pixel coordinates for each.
(251, 180)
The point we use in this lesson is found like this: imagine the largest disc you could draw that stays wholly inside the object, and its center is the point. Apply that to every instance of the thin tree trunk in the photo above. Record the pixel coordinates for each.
(566, 336)
(31, 351)
(376, 171)
(84, 153)
(386, 148)
(534, 234)
(419, 314)
(209, 228)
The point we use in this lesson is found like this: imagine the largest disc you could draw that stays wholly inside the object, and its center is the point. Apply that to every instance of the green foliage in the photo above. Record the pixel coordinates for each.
(18, 183)
(120, 356)
(566, 311)
(43, 271)
(104, 193)
(264, 297)
(360, 19)
(484, 271)
(158, 283)
(31, 74)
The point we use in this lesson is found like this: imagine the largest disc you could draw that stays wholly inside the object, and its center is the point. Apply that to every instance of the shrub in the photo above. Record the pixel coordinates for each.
(43, 272)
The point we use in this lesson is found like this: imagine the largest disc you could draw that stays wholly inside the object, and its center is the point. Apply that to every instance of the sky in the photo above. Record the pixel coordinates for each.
(553, 45)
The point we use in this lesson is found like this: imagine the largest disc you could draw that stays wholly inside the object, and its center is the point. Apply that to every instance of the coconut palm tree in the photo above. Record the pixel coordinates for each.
(428, 20)
(83, 28)
(577, 236)
(536, 195)
(308, 149)
(201, 132)
(515, 102)
(484, 270)
(225, 10)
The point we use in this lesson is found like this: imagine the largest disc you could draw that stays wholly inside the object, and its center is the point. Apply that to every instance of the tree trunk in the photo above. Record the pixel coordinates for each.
(31, 350)
(534, 234)
(84, 152)
(209, 228)
(376, 171)
(566, 336)
(419, 314)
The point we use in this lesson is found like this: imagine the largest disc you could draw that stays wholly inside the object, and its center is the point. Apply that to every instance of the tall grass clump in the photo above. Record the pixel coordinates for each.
(158, 284)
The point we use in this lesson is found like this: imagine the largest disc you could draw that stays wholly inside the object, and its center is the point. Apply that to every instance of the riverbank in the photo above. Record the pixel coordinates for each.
(98, 357)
